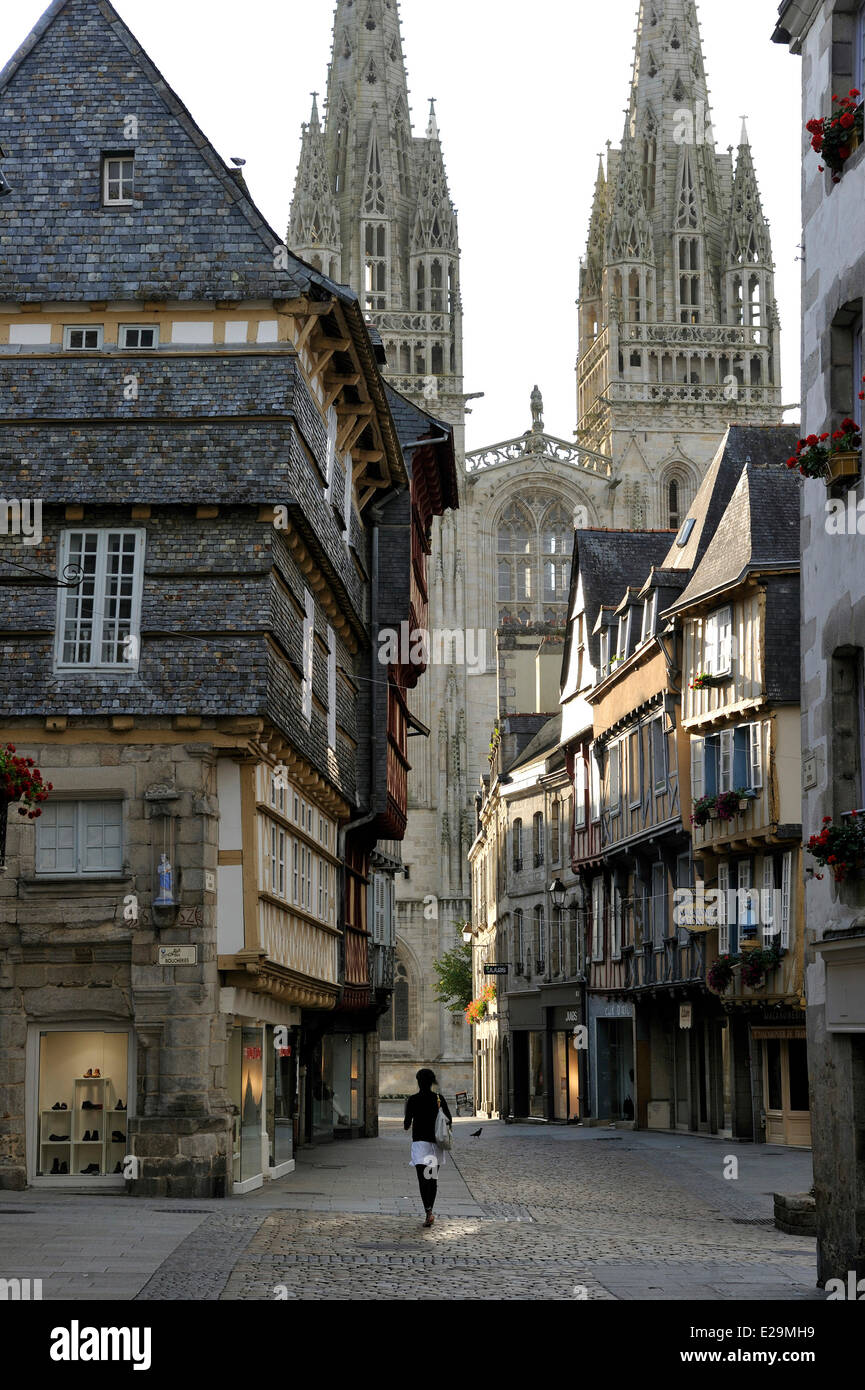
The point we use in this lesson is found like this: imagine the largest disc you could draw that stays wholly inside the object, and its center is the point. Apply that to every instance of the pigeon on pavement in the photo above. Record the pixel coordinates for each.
(476, 1134)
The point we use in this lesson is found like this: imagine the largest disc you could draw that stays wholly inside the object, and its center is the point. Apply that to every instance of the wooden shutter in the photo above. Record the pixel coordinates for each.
(786, 898)
(723, 914)
(755, 771)
(728, 738)
(768, 924)
(724, 620)
(698, 746)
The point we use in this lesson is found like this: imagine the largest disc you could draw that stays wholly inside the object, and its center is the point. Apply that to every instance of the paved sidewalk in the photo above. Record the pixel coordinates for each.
(526, 1212)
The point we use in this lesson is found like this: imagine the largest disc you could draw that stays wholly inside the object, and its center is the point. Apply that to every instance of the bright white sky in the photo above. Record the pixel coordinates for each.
(527, 95)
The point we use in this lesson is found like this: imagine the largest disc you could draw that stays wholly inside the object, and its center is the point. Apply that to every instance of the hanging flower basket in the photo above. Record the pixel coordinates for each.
(835, 137)
(840, 847)
(721, 973)
(830, 457)
(21, 785)
(760, 960)
(479, 1007)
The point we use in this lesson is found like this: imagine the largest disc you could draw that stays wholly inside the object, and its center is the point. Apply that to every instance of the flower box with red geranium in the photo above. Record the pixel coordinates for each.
(478, 1008)
(20, 782)
(830, 457)
(835, 137)
(840, 847)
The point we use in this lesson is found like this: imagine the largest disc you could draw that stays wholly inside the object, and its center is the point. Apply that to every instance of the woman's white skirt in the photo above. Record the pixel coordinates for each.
(422, 1151)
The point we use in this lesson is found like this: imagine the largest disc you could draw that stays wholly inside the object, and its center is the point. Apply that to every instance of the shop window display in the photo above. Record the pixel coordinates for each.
(83, 1104)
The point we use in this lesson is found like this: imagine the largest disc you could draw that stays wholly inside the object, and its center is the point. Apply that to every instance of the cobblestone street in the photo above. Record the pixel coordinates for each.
(524, 1212)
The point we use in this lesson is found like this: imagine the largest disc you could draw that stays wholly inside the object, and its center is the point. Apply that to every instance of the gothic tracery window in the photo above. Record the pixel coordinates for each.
(395, 1023)
(534, 545)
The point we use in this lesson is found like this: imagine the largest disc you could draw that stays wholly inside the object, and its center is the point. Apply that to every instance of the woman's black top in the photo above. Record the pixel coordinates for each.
(421, 1110)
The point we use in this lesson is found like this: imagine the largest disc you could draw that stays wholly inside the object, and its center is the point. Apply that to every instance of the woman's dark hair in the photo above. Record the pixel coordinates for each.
(426, 1079)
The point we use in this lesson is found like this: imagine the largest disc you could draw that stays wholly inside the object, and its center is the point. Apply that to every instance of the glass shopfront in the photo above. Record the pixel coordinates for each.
(250, 1105)
(338, 1078)
(83, 1101)
(537, 1103)
(566, 1077)
(281, 1093)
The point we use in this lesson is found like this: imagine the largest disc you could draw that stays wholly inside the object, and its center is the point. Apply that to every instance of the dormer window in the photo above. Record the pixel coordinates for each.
(82, 339)
(118, 180)
(605, 652)
(650, 611)
(624, 635)
(685, 534)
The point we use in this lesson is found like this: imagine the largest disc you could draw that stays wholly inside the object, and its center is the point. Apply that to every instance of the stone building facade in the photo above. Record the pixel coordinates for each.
(189, 985)
(660, 378)
(830, 38)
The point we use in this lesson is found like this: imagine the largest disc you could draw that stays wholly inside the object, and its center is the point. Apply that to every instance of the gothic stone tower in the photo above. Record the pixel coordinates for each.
(371, 208)
(679, 332)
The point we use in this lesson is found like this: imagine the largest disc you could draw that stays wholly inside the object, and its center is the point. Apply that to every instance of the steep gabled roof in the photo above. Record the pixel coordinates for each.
(609, 562)
(193, 231)
(759, 530)
(545, 741)
(765, 446)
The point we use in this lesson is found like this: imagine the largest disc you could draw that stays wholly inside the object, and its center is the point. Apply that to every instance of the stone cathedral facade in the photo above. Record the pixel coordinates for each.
(678, 337)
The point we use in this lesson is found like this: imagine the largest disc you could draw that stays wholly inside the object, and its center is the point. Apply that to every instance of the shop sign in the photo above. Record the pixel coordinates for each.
(685, 1015)
(615, 1010)
(496, 969)
(177, 955)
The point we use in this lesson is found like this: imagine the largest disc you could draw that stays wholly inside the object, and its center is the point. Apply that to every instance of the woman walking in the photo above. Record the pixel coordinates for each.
(421, 1111)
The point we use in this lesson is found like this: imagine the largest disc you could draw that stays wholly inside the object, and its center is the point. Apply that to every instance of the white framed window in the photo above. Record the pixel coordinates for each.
(595, 774)
(635, 788)
(540, 938)
(768, 925)
(277, 861)
(81, 338)
(518, 937)
(99, 621)
(624, 635)
(698, 780)
(728, 745)
(746, 907)
(139, 335)
(659, 755)
(79, 839)
(597, 919)
(379, 908)
(308, 650)
(723, 914)
(517, 838)
(615, 778)
(580, 777)
(755, 756)
(605, 652)
(718, 643)
(786, 898)
(118, 179)
(650, 613)
(331, 689)
(859, 53)
(330, 456)
(555, 832)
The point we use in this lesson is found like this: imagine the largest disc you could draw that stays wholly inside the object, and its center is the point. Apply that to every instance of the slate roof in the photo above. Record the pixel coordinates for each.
(759, 524)
(765, 446)
(413, 424)
(609, 562)
(193, 231)
(546, 740)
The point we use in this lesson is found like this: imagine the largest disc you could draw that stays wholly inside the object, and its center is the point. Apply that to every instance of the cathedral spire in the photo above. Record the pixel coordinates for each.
(313, 230)
(435, 224)
(397, 227)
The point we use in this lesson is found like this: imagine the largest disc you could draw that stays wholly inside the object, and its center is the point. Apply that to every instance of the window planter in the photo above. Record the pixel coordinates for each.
(843, 465)
(840, 848)
(830, 457)
(835, 137)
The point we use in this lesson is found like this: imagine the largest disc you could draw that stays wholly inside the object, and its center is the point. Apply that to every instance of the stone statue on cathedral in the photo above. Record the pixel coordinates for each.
(537, 412)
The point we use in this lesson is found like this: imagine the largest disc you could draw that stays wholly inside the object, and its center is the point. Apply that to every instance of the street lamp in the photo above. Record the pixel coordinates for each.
(468, 935)
(558, 892)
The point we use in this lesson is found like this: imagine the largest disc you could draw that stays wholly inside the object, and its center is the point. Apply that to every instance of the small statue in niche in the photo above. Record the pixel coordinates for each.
(166, 883)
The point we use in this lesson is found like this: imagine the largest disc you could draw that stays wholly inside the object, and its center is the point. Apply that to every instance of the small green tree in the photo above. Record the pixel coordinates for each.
(454, 971)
